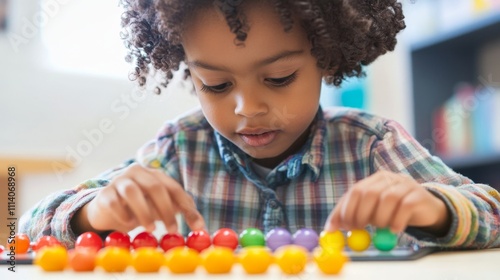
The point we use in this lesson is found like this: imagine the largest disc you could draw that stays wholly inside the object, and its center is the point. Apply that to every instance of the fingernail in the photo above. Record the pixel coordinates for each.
(394, 230)
(327, 228)
(172, 229)
(200, 225)
(151, 227)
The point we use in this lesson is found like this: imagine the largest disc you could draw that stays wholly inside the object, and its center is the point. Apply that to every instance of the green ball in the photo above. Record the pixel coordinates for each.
(384, 239)
(252, 237)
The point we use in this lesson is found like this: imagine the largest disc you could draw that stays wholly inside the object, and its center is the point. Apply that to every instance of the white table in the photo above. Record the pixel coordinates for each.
(480, 265)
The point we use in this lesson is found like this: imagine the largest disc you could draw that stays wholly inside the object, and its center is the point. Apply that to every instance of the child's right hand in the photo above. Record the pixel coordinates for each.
(138, 197)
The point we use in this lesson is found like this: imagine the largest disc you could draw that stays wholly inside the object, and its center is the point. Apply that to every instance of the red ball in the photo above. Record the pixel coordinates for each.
(46, 240)
(118, 239)
(198, 240)
(145, 239)
(171, 240)
(90, 240)
(225, 237)
(2, 248)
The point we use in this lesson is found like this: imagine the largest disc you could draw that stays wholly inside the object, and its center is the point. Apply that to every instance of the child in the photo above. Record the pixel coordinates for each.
(261, 152)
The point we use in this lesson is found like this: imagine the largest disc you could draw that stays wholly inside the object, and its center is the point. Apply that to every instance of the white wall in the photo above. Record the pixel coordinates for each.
(389, 82)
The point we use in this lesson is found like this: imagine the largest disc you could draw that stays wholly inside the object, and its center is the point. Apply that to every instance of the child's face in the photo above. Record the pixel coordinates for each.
(264, 106)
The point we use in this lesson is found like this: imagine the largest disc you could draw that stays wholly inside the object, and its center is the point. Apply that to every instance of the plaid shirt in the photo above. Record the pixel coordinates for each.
(344, 147)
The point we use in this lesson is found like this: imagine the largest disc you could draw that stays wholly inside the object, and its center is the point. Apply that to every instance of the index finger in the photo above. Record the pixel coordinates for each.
(184, 202)
(333, 221)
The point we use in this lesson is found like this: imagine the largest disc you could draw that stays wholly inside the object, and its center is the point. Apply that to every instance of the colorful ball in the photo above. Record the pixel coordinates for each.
(89, 239)
(291, 259)
(182, 260)
(255, 260)
(252, 237)
(144, 239)
(217, 260)
(113, 259)
(198, 240)
(306, 238)
(118, 239)
(21, 243)
(147, 259)
(334, 240)
(329, 261)
(52, 258)
(82, 258)
(172, 240)
(358, 240)
(384, 239)
(225, 237)
(278, 237)
(46, 240)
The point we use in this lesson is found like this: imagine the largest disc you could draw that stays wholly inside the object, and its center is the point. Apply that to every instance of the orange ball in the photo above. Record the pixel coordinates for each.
(19, 244)
(82, 259)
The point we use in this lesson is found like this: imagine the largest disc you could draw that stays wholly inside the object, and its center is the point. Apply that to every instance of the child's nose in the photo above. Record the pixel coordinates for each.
(250, 104)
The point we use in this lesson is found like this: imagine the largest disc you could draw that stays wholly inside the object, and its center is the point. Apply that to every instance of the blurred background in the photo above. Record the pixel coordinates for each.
(68, 110)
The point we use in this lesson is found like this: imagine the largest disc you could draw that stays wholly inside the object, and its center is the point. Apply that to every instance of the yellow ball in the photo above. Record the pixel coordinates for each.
(182, 260)
(334, 240)
(291, 259)
(217, 260)
(358, 240)
(52, 258)
(147, 259)
(329, 261)
(255, 259)
(113, 259)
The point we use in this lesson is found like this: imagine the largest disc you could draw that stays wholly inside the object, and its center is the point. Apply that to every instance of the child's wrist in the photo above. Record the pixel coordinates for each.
(80, 222)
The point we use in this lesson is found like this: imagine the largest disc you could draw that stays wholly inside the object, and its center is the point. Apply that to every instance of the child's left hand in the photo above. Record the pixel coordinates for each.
(389, 200)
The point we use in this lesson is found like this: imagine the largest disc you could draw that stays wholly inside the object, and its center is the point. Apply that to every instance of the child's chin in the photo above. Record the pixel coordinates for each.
(261, 153)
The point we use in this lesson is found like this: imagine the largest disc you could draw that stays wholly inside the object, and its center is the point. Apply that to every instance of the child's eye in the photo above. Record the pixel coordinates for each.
(283, 82)
(215, 89)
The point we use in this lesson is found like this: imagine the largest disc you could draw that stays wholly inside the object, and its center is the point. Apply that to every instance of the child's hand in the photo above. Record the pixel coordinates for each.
(138, 197)
(390, 200)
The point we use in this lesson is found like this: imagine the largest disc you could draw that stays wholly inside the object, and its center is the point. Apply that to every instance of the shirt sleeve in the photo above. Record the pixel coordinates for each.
(52, 215)
(474, 207)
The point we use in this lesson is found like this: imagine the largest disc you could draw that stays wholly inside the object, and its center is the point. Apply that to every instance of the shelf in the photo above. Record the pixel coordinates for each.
(472, 161)
(476, 31)
(438, 63)
(33, 165)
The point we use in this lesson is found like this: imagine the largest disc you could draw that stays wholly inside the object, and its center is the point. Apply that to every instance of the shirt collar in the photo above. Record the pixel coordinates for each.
(309, 156)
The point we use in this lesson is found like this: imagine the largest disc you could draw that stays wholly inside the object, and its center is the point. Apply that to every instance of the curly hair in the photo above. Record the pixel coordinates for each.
(344, 34)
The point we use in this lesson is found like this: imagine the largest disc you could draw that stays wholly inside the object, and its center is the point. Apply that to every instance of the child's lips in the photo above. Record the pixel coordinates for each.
(258, 139)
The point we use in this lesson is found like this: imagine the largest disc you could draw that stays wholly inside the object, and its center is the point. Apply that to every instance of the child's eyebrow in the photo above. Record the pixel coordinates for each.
(280, 56)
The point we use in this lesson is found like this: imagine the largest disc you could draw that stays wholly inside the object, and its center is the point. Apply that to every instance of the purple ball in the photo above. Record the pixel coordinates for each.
(278, 237)
(306, 238)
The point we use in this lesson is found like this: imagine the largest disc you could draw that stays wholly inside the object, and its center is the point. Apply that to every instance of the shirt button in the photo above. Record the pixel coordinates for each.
(273, 204)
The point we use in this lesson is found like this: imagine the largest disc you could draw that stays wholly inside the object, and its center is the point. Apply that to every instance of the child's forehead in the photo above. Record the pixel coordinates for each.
(254, 15)
(247, 11)
(209, 36)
